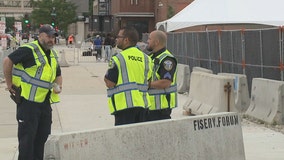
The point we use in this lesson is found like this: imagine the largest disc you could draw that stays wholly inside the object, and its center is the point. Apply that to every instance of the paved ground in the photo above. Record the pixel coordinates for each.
(84, 106)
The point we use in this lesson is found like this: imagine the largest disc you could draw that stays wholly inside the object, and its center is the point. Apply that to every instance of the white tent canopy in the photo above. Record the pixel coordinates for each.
(206, 12)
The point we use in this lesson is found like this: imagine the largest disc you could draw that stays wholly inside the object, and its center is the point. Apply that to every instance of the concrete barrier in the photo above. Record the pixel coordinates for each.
(183, 74)
(207, 94)
(241, 91)
(200, 69)
(267, 101)
(70, 55)
(215, 136)
(63, 62)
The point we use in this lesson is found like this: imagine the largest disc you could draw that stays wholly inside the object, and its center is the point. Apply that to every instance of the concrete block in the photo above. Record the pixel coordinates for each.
(63, 62)
(267, 101)
(215, 136)
(200, 69)
(241, 91)
(183, 74)
(207, 94)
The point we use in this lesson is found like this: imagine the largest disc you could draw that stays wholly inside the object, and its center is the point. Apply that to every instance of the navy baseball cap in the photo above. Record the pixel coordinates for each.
(48, 29)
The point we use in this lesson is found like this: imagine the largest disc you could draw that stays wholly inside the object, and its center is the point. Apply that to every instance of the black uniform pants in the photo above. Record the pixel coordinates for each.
(130, 115)
(34, 126)
(159, 114)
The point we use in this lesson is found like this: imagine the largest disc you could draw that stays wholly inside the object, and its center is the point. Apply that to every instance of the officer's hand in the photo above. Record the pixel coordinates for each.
(10, 89)
(57, 88)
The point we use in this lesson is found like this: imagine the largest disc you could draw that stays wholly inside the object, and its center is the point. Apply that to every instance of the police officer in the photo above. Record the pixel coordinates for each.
(127, 80)
(35, 71)
(162, 88)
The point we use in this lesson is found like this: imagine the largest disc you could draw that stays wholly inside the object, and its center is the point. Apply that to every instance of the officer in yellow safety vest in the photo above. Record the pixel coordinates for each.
(127, 80)
(32, 72)
(163, 87)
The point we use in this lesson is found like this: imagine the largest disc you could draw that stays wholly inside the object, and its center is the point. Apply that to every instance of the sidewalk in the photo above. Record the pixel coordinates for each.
(83, 106)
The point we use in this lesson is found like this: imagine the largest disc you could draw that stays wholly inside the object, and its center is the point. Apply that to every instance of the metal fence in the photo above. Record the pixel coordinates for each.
(255, 53)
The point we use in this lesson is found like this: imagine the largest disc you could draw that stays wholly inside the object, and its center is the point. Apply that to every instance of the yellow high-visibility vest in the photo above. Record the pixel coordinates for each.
(134, 70)
(36, 81)
(163, 98)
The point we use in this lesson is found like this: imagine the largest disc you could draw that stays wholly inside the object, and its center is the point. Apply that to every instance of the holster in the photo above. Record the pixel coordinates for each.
(16, 97)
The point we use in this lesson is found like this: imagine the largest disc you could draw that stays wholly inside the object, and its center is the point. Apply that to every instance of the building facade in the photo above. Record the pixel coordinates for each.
(15, 8)
(110, 15)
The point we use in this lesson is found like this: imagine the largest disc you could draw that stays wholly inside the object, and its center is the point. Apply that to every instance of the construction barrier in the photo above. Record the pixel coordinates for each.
(200, 69)
(267, 101)
(240, 91)
(63, 62)
(183, 74)
(210, 93)
(215, 136)
(74, 56)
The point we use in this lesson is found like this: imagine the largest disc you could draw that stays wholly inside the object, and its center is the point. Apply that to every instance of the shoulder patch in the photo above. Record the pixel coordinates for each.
(111, 64)
(168, 65)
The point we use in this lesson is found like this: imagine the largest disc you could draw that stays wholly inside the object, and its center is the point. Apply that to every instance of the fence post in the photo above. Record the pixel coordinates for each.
(281, 67)
(243, 51)
(261, 53)
(77, 52)
(220, 50)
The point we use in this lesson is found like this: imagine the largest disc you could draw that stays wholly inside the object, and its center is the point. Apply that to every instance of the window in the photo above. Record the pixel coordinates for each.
(134, 1)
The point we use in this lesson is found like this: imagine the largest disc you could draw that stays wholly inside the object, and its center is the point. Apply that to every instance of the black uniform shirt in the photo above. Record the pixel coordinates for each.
(167, 66)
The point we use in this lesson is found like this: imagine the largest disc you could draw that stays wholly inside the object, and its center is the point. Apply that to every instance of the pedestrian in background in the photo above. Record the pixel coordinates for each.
(163, 87)
(107, 46)
(71, 40)
(13, 43)
(98, 47)
(35, 71)
(127, 80)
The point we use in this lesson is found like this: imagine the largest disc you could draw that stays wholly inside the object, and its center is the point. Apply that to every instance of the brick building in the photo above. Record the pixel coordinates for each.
(110, 15)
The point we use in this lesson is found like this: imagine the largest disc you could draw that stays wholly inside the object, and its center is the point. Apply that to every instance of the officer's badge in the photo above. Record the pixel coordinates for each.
(110, 64)
(168, 65)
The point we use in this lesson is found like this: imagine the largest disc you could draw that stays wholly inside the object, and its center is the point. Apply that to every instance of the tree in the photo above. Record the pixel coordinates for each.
(171, 12)
(10, 24)
(59, 12)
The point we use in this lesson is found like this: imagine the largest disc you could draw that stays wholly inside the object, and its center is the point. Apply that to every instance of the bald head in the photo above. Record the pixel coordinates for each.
(160, 36)
(157, 40)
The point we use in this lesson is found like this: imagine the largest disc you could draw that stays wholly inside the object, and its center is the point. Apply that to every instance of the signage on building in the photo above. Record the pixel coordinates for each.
(18, 26)
(2, 27)
(103, 7)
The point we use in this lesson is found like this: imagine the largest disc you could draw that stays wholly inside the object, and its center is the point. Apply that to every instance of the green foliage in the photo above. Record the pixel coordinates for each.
(10, 24)
(65, 13)
(171, 12)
